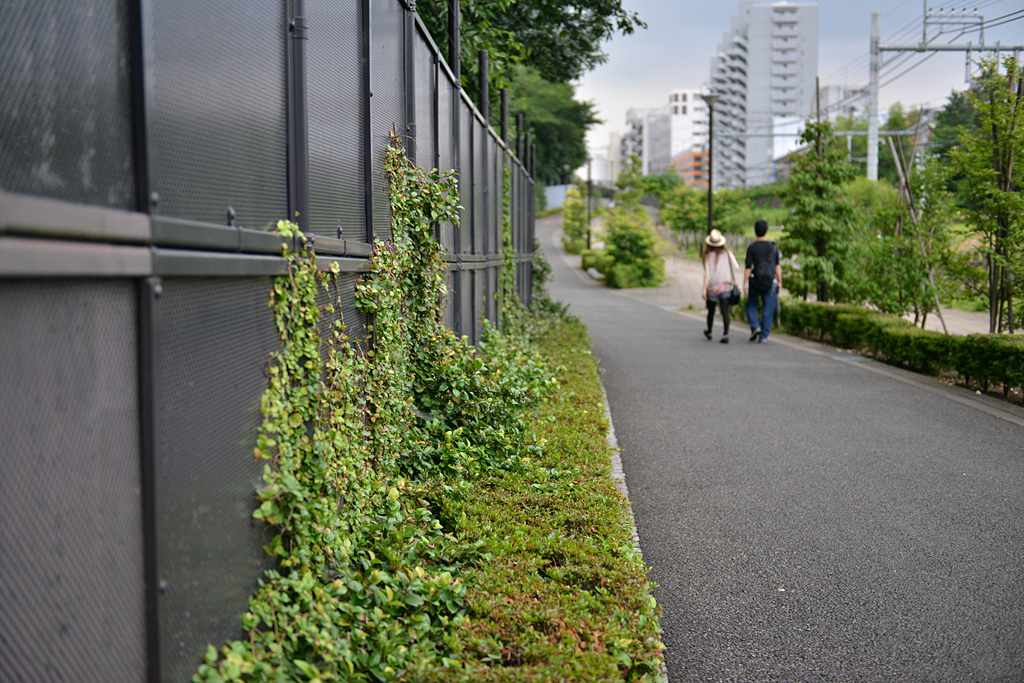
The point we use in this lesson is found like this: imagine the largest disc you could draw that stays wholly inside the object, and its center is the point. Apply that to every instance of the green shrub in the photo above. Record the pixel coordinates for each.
(574, 221)
(633, 246)
(983, 358)
(988, 358)
(598, 259)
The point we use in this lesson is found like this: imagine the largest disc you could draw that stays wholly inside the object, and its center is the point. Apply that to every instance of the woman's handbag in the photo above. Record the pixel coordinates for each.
(736, 293)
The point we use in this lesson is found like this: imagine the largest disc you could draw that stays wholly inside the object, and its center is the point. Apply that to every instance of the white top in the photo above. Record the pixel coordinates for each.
(716, 270)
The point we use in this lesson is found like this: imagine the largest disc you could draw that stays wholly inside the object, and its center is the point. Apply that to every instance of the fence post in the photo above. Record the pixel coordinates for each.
(367, 132)
(410, 79)
(483, 102)
(504, 116)
(455, 64)
(519, 137)
(298, 117)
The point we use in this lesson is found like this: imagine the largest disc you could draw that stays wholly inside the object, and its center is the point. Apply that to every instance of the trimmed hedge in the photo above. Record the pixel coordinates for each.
(983, 358)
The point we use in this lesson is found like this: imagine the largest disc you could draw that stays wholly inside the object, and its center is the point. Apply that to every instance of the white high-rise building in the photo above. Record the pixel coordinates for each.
(659, 136)
(764, 70)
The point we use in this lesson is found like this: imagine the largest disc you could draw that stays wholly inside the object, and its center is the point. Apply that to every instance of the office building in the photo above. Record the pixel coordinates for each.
(661, 135)
(764, 72)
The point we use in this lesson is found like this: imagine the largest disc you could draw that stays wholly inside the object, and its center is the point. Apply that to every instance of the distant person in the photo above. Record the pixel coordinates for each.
(720, 268)
(763, 274)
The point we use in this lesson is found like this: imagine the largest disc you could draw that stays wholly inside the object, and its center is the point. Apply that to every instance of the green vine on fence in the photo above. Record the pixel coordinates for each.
(365, 450)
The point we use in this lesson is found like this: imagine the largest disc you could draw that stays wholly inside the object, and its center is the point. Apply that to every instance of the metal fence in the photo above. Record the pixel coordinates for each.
(146, 149)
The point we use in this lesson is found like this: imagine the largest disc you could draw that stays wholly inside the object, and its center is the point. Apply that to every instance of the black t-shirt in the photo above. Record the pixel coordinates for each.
(757, 252)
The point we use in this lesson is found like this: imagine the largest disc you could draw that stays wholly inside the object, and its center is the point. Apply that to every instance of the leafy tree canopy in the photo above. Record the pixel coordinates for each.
(988, 161)
(958, 112)
(557, 123)
(820, 229)
(561, 40)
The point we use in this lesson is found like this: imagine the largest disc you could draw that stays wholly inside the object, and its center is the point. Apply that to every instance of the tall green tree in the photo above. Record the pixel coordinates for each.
(907, 243)
(557, 122)
(684, 209)
(958, 113)
(987, 161)
(821, 225)
(562, 40)
(630, 239)
(556, 42)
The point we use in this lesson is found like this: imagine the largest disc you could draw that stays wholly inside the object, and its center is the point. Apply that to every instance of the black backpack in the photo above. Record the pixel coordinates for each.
(764, 271)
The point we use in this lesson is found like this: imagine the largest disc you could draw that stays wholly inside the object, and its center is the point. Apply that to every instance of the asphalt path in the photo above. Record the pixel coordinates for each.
(810, 515)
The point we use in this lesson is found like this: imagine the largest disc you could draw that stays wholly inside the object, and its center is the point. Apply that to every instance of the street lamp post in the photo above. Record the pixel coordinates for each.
(710, 99)
(590, 193)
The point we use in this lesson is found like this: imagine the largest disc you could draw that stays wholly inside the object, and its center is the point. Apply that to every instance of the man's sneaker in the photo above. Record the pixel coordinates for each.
(707, 334)
(755, 334)
(724, 340)
(762, 340)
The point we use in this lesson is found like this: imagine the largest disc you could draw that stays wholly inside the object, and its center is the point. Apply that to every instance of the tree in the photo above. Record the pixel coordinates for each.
(896, 120)
(734, 213)
(820, 228)
(557, 123)
(659, 185)
(562, 40)
(910, 241)
(958, 112)
(985, 160)
(630, 241)
(685, 210)
(574, 221)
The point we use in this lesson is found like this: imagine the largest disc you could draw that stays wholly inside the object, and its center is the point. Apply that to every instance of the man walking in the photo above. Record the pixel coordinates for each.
(763, 274)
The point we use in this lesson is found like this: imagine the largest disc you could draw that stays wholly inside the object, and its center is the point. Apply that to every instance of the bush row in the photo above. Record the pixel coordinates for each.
(986, 359)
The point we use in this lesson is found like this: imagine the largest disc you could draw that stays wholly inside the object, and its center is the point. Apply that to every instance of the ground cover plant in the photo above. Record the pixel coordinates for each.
(563, 596)
(381, 460)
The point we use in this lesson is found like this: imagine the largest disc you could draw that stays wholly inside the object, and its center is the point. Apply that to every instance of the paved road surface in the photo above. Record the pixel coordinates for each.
(807, 514)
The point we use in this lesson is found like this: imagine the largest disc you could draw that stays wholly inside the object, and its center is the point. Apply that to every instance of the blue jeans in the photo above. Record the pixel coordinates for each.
(767, 300)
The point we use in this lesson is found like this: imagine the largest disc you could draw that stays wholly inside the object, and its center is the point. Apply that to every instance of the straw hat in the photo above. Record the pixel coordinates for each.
(715, 239)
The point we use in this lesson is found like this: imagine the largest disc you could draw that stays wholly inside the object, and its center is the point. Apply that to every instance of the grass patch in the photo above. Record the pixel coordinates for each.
(561, 593)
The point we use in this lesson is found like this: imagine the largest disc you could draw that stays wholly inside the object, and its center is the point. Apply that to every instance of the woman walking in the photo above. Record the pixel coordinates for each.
(720, 268)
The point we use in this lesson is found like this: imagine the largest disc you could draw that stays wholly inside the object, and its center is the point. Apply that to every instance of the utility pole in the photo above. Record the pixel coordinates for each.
(962, 19)
(590, 193)
(873, 101)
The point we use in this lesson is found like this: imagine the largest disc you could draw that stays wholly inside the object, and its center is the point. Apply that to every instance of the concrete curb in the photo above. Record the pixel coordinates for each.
(619, 475)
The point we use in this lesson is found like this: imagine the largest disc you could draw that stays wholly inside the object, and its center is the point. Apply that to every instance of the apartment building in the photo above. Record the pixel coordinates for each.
(660, 135)
(692, 166)
(764, 72)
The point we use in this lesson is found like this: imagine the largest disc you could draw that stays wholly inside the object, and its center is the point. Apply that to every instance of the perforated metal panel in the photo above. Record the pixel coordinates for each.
(387, 106)
(216, 110)
(516, 212)
(426, 89)
(498, 205)
(480, 140)
(343, 299)
(446, 145)
(466, 178)
(491, 300)
(469, 309)
(65, 123)
(71, 548)
(479, 298)
(336, 96)
(449, 303)
(212, 342)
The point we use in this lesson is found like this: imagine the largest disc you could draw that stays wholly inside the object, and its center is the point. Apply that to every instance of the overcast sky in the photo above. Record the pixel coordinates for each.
(676, 48)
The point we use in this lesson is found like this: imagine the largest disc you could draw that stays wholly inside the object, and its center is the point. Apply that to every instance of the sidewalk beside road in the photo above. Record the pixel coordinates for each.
(685, 277)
